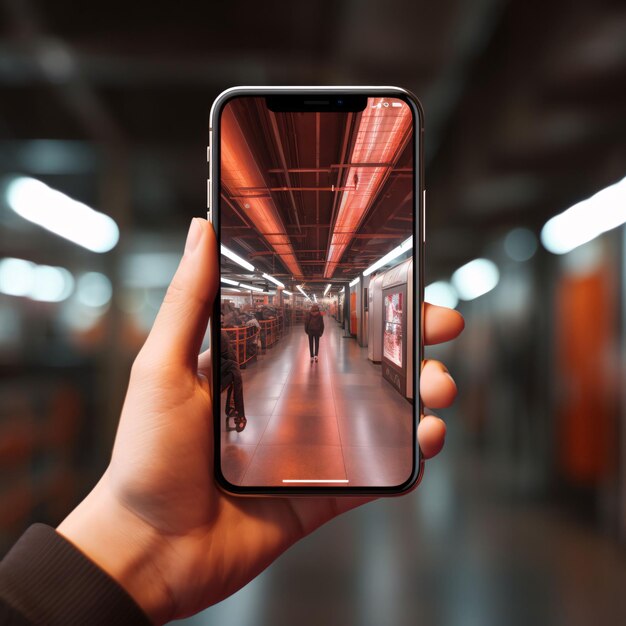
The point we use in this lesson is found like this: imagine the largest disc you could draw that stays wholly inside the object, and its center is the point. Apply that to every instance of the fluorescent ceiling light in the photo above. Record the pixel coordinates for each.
(251, 287)
(475, 278)
(272, 279)
(441, 293)
(61, 215)
(236, 258)
(44, 283)
(228, 281)
(289, 293)
(327, 289)
(355, 281)
(51, 284)
(16, 277)
(315, 297)
(94, 290)
(232, 289)
(299, 288)
(407, 244)
(586, 220)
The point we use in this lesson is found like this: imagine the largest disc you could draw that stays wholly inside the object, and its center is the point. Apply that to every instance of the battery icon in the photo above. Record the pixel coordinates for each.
(396, 105)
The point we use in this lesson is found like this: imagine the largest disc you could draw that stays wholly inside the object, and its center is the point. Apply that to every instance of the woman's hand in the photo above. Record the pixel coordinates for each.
(156, 520)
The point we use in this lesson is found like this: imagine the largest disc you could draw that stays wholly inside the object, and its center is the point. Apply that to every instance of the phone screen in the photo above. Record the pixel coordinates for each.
(318, 294)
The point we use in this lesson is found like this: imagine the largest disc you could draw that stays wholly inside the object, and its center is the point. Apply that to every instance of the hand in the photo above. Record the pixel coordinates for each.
(156, 521)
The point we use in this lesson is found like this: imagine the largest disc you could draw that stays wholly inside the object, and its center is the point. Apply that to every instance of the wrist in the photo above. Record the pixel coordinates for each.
(124, 546)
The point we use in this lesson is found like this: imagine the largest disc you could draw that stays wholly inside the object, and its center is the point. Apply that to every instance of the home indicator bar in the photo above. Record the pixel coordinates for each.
(310, 480)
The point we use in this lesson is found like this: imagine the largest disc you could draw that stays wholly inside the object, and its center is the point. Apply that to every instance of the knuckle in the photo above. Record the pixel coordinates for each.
(140, 367)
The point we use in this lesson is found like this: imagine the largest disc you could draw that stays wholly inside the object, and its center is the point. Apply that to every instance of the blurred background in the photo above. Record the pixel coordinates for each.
(522, 518)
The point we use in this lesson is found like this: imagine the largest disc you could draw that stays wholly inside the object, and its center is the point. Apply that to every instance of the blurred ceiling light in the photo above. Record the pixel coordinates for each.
(228, 281)
(441, 293)
(16, 277)
(288, 293)
(586, 220)
(407, 244)
(56, 60)
(355, 281)
(380, 138)
(230, 289)
(250, 287)
(520, 244)
(51, 284)
(60, 214)
(327, 289)
(299, 288)
(150, 270)
(315, 297)
(94, 289)
(273, 280)
(43, 283)
(475, 278)
(236, 258)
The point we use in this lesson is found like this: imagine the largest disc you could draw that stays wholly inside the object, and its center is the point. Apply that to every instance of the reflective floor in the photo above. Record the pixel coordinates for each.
(336, 419)
(472, 546)
(467, 548)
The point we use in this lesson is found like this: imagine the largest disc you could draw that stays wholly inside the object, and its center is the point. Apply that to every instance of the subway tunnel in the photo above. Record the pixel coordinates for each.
(322, 204)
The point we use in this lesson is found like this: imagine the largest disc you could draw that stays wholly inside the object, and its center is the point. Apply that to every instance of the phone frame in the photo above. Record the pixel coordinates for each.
(213, 197)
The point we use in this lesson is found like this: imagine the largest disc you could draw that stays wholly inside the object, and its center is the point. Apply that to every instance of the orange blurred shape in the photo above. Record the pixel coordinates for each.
(353, 324)
(17, 442)
(586, 336)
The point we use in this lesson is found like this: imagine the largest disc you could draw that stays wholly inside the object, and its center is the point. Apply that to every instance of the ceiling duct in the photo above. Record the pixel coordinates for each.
(381, 137)
(241, 176)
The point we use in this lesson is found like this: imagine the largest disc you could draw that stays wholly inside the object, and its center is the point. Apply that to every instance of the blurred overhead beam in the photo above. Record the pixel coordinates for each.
(56, 64)
(18, 67)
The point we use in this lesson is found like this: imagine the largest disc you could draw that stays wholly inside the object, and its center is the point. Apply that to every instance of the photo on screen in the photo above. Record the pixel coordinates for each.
(316, 224)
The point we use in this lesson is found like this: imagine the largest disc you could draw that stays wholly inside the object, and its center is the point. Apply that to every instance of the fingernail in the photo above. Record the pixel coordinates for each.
(193, 236)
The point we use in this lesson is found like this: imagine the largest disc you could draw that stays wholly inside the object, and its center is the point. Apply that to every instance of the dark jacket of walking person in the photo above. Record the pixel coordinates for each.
(314, 328)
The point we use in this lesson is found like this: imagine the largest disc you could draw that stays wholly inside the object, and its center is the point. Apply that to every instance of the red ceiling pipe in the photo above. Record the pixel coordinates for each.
(381, 137)
(240, 174)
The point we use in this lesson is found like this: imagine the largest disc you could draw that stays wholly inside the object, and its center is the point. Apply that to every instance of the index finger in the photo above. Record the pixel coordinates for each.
(441, 324)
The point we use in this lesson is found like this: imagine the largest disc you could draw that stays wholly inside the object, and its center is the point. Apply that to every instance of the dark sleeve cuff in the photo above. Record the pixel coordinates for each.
(46, 580)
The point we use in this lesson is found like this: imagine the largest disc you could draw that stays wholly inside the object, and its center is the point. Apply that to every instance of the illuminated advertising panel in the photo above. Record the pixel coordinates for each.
(392, 338)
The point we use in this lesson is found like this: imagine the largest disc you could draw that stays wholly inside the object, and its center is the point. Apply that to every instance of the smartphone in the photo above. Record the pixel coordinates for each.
(316, 195)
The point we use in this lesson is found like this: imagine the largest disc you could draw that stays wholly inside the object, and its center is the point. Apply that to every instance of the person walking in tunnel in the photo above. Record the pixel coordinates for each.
(231, 374)
(314, 328)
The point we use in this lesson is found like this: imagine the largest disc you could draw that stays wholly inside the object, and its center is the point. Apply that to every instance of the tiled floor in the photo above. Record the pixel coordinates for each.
(336, 419)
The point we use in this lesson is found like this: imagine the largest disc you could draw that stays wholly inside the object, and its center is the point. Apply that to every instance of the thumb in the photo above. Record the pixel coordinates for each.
(181, 322)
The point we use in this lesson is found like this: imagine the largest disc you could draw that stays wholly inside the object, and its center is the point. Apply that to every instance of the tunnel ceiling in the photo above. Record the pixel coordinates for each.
(302, 166)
